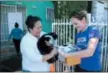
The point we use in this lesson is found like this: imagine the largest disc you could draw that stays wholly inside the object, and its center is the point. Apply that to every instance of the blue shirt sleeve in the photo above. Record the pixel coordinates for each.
(94, 32)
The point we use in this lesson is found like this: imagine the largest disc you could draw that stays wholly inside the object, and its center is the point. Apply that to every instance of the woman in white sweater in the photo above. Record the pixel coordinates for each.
(32, 60)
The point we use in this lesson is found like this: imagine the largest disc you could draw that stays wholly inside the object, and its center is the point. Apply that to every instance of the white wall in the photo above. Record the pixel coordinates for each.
(15, 17)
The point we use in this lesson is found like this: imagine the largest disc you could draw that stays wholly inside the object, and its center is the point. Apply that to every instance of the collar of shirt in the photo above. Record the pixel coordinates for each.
(30, 35)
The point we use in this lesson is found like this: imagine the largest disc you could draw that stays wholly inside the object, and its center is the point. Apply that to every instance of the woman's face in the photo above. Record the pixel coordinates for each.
(80, 25)
(37, 29)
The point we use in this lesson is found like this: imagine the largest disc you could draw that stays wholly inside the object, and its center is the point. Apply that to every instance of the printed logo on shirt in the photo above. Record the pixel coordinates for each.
(91, 34)
(94, 28)
(82, 42)
(82, 39)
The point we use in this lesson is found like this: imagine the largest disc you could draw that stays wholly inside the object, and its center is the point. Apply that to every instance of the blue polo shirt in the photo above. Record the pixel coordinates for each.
(92, 63)
(16, 33)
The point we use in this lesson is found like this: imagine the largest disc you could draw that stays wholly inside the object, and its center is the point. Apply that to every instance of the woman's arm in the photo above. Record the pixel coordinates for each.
(87, 52)
(48, 56)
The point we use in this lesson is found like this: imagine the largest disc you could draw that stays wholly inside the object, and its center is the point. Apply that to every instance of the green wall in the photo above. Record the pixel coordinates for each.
(39, 10)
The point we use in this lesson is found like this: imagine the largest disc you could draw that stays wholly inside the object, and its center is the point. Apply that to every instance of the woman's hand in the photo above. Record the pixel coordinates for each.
(65, 54)
(62, 53)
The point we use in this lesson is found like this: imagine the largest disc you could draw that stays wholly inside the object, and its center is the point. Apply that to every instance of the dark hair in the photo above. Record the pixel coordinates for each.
(16, 25)
(79, 14)
(31, 20)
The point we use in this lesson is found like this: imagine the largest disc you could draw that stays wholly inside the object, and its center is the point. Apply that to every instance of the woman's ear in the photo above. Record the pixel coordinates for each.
(83, 20)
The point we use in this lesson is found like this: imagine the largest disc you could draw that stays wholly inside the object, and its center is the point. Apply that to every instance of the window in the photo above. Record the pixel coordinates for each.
(4, 21)
(50, 14)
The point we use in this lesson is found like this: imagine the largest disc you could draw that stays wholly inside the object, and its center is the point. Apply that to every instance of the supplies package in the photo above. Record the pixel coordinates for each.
(67, 49)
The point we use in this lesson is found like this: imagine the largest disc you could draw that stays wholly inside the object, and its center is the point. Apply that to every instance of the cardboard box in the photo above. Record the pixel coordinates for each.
(71, 61)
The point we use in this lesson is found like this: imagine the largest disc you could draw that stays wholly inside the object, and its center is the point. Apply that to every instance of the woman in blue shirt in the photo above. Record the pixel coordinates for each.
(16, 34)
(88, 40)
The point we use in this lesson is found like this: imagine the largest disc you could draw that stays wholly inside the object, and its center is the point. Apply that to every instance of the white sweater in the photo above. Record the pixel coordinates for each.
(31, 57)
